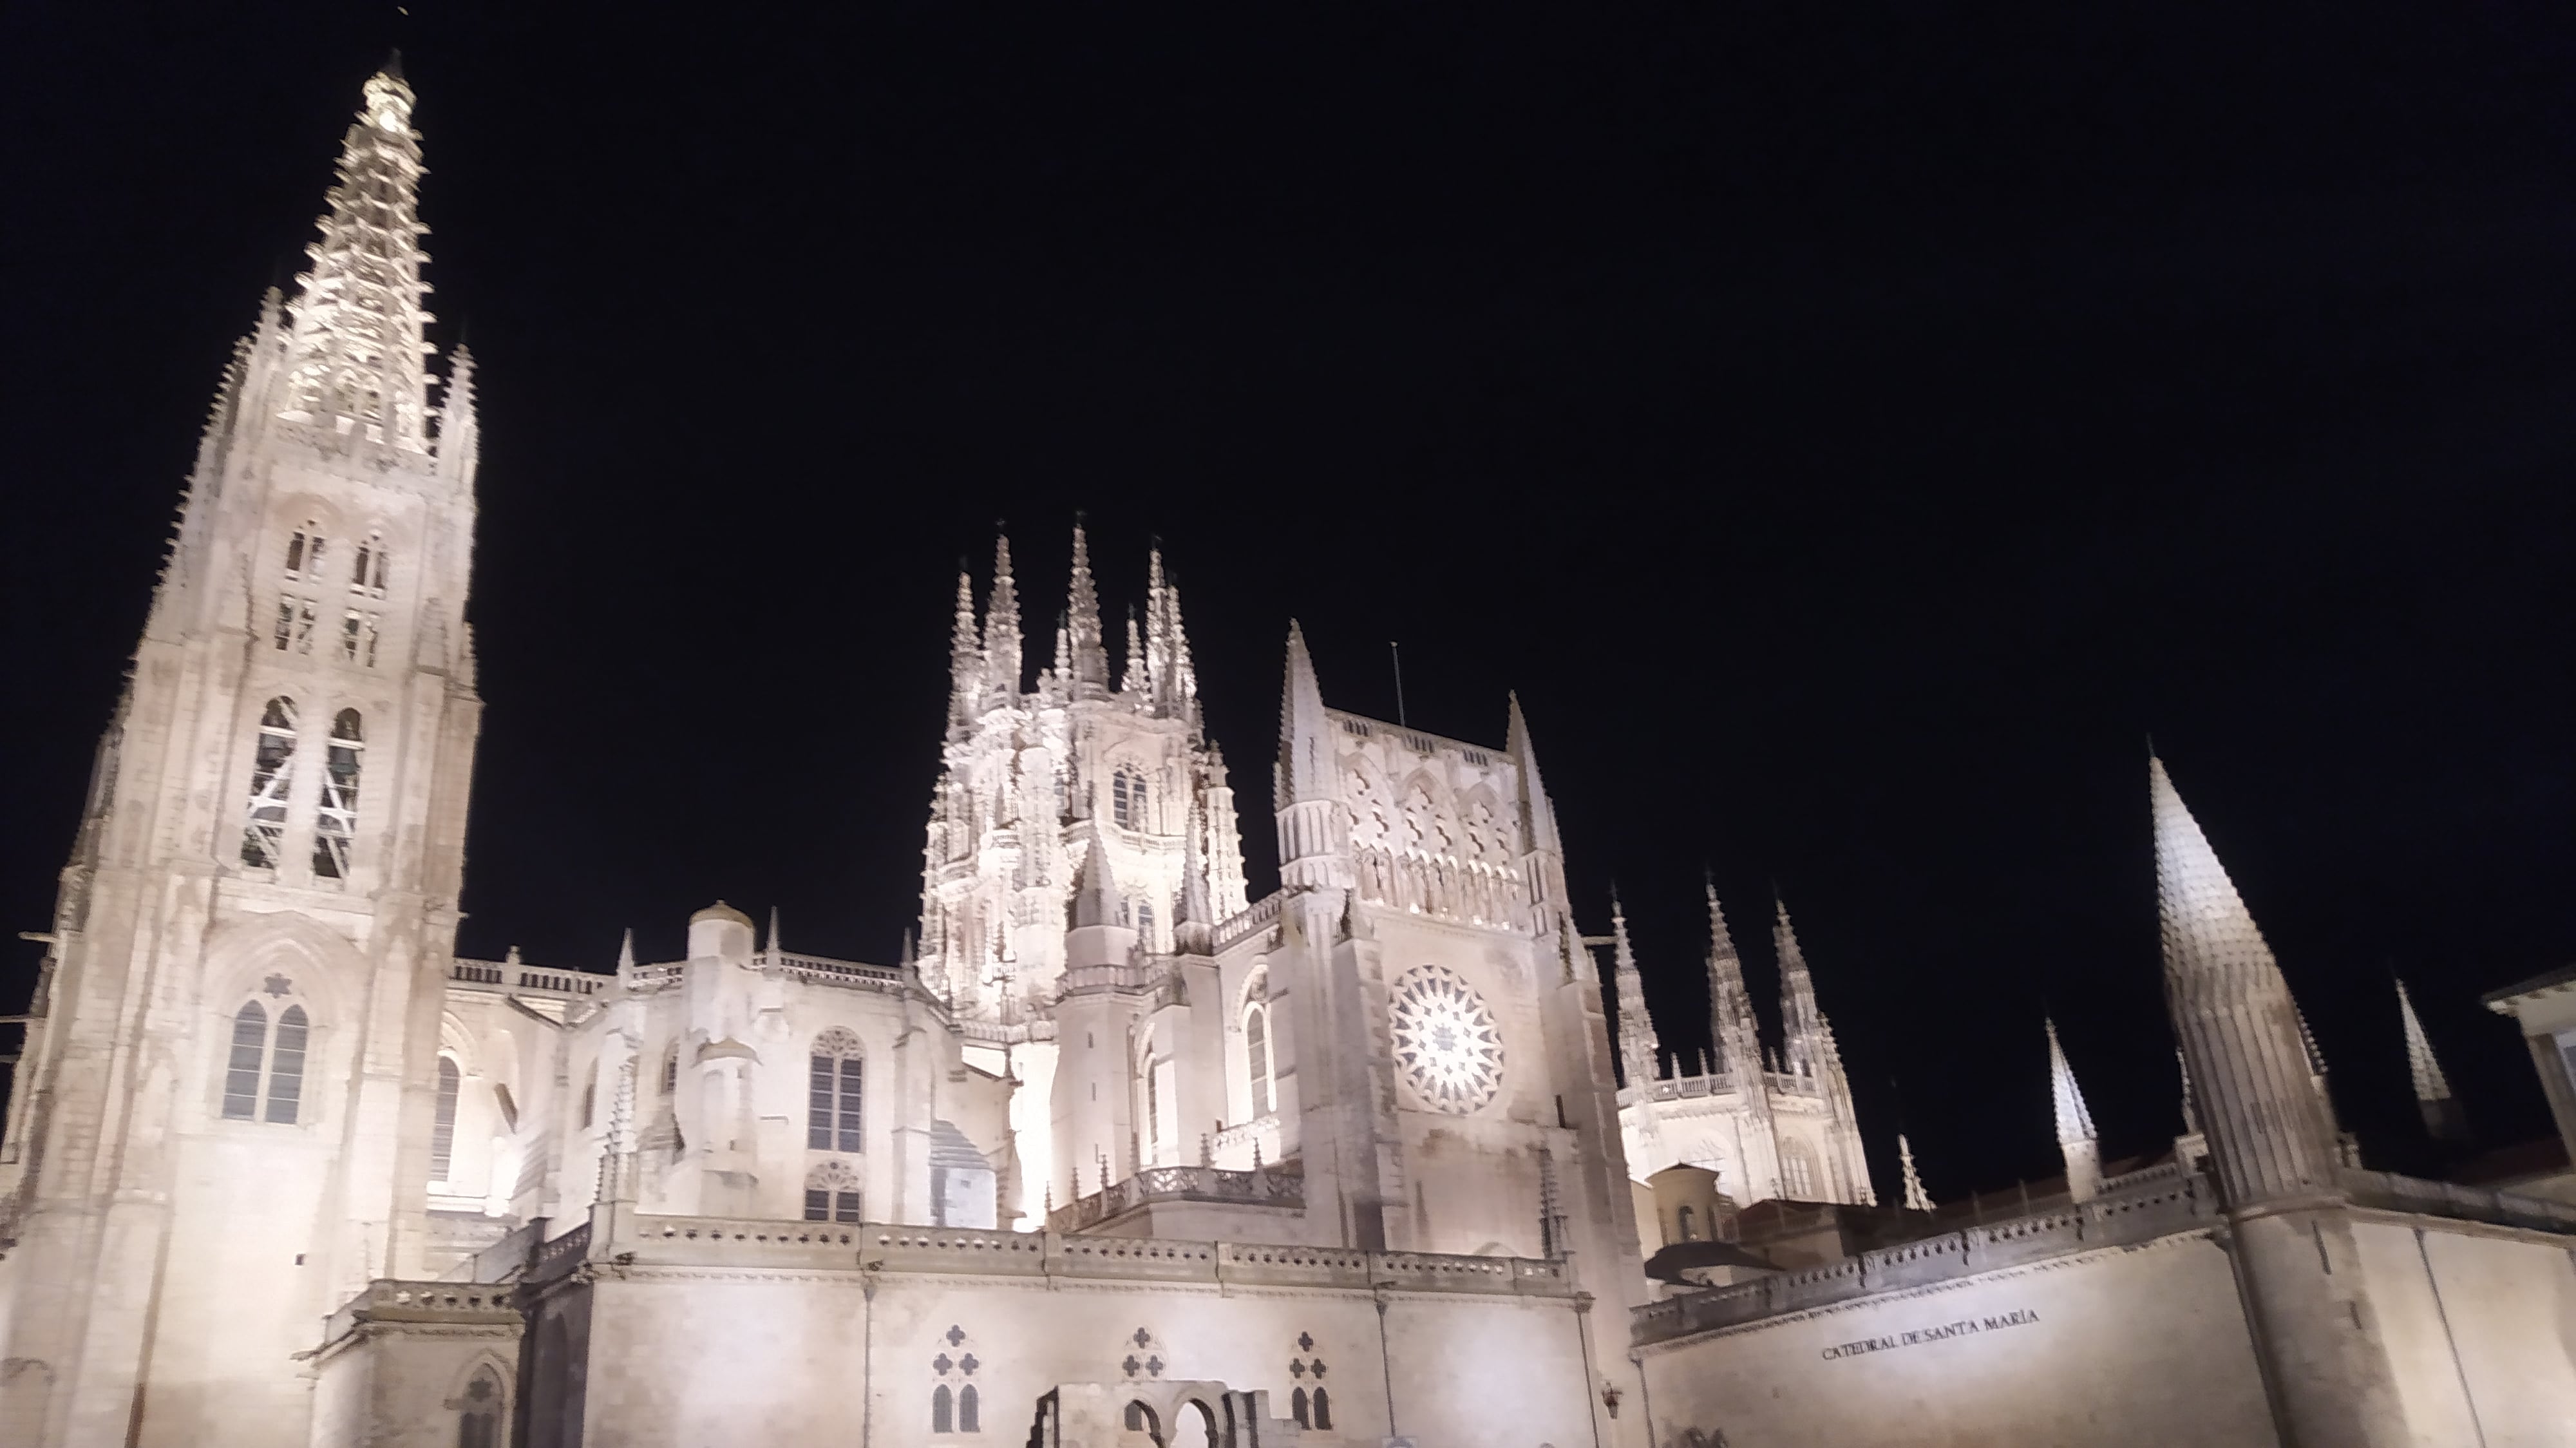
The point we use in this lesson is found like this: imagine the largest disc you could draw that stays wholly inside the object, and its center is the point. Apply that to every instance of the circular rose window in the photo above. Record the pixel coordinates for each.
(1446, 1040)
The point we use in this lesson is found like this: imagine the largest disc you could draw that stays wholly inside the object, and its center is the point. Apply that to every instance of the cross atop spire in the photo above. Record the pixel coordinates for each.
(355, 360)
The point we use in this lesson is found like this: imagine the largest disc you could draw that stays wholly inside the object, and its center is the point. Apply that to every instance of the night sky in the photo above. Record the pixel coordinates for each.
(1852, 430)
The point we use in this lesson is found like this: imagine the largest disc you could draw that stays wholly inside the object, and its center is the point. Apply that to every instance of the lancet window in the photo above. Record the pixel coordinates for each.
(272, 774)
(358, 633)
(1256, 1053)
(336, 823)
(264, 1070)
(368, 577)
(442, 1127)
(671, 1068)
(833, 1094)
(478, 1416)
(832, 1192)
(304, 550)
(1127, 798)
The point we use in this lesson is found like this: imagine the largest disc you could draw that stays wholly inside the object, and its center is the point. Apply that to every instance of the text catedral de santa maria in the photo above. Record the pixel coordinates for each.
(2020, 1317)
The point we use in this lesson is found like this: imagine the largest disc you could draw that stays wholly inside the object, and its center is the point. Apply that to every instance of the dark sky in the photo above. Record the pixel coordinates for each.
(1851, 429)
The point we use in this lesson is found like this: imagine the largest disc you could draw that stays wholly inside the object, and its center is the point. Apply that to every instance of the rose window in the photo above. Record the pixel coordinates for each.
(1446, 1040)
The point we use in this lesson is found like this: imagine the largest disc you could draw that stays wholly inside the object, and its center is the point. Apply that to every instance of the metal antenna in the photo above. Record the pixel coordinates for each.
(1397, 659)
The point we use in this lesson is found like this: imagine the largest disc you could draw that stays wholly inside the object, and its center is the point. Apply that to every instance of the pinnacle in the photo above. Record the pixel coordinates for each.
(2207, 929)
(1302, 744)
(2074, 1121)
(1095, 887)
(2430, 1084)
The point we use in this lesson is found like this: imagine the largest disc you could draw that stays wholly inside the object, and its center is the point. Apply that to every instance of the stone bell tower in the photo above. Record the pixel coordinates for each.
(224, 1113)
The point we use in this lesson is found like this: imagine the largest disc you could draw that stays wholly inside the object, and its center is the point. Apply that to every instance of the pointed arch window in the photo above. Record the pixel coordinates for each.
(272, 776)
(442, 1129)
(671, 1068)
(833, 1094)
(969, 1412)
(589, 1102)
(478, 1416)
(943, 1417)
(304, 550)
(1323, 1407)
(1256, 1055)
(264, 1068)
(335, 824)
(1299, 1409)
(1127, 798)
(368, 577)
(832, 1192)
(1797, 1171)
(1145, 924)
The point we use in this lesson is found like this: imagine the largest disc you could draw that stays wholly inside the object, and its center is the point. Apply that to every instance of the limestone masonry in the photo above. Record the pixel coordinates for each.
(1115, 1154)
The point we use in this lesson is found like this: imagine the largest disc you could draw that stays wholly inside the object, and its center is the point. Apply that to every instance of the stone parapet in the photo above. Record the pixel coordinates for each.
(2160, 1206)
(2388, 1191)
(642, 1241)
(1260, 1187)
(420, 1304)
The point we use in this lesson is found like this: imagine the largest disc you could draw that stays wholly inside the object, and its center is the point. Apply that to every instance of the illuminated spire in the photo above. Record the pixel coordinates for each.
(1801, 1023)
(460, 433)
(2076, 1140)
(1082, 662)
(1638, 1048)
(1731, 1024)
(1132, 675)
(1916, 1199)
(1541, 811)
(355, 356)
(1002, 629)
(2433, 1097)
(774, 946)
(1305, 751)
(2074, 1121)
(965, 654)
(2270, 1132)
(1193, 922)
(626, 953)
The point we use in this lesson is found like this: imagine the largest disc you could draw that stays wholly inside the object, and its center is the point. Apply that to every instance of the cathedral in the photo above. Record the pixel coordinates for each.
(1113, 1154)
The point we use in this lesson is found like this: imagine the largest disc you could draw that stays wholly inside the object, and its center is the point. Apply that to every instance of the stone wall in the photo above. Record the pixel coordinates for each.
(2481, 1328)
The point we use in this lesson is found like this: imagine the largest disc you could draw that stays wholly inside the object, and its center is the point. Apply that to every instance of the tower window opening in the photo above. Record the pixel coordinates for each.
(969, 1416)
(442, 1130)
(1145, 923)
(304, 553)
(286, 1068)
(1127, 798)
(671, 1068)
(335, 823)
(942, 1419)
(478, 1423)
(272, 774)
(241, 1068)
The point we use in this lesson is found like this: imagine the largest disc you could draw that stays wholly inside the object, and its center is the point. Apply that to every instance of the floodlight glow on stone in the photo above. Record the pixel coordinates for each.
(1446, 1040)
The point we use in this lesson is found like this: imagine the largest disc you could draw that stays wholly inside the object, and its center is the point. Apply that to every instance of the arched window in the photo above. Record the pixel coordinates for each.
(969, 1417)
(241, 1069)
(286, 1067)
(1688, 1220)
(1323, 1411)
(1127, 798)
(589, 1101)
(832, 1193)
(671, 1068)
(358, 636)
(304, 551)
(442, 1127)
(1300, 1410)
(1145, 923)
(1153, 1106)
(259, 1051)
(942, 1419)
(1797, 1171)
(272, 775)
(832, 1096)
(478, 1421)
(369, 576)
(1256, 1056)
(337, 820)
(1141, 1419)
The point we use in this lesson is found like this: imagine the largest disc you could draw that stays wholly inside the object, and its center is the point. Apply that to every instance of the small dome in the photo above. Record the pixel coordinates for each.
(721, 911)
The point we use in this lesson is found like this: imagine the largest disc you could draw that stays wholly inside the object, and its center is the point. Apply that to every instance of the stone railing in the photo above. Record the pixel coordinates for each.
(2391, 1192)
(510, 975)
(1260, 915)
(1679, 1088)
(1262, 1187)
(2155, 1208)
(1246, 1144)
(556, 1258)
(826, 971)
(439, 1303)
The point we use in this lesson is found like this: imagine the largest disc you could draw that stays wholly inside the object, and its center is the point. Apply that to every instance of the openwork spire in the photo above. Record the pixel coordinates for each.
(1801, 1023)
(965, 654)
(2430, 1083)
(1083, 661)
(1639, 1050)
(1002, 629)
(1540, 809)
(1730, 1007)
(1916, 1199)
(2074, 1121)
(1305, 751)
(355, 355)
